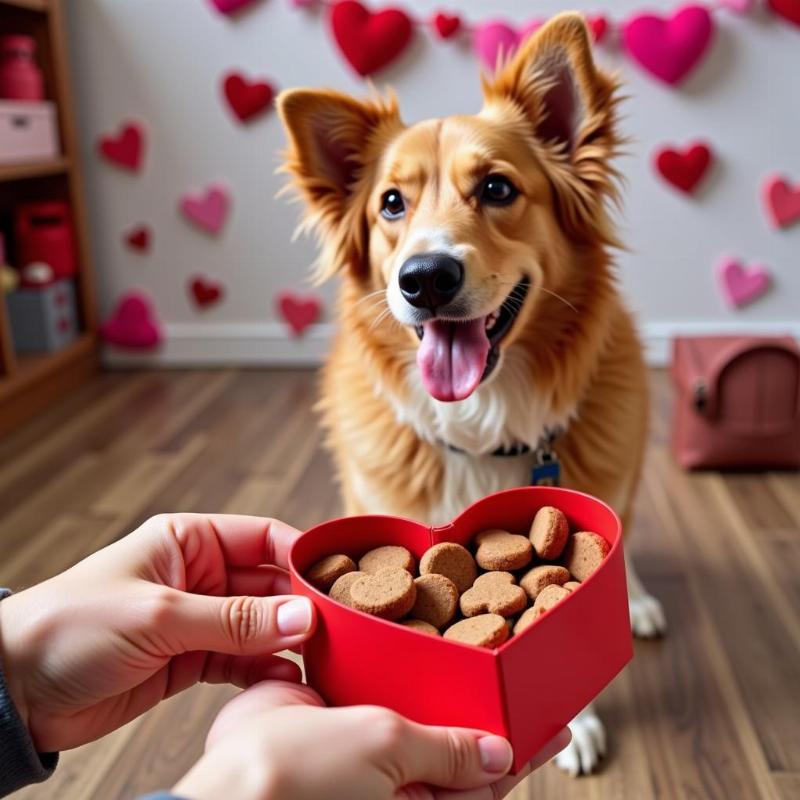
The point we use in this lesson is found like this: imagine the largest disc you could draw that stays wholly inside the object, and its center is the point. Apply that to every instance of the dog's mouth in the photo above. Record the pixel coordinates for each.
(454, 356)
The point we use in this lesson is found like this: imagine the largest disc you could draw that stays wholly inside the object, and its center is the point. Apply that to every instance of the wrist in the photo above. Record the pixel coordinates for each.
(10, 663)
(228, 774)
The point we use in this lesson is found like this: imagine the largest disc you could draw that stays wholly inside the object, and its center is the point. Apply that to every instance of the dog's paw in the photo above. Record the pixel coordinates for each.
(582, 755)
(647, 615)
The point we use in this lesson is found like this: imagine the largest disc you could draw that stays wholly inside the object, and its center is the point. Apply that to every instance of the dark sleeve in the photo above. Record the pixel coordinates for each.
(20, 764)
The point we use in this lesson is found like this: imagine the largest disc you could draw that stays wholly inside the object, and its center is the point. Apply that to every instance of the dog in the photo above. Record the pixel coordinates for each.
(481, 333)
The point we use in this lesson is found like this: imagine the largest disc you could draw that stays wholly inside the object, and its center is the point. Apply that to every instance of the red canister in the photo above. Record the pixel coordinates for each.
(44, 233)
(20, 78)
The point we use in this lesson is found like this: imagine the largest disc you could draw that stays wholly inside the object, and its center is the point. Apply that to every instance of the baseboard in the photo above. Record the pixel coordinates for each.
(267, 344)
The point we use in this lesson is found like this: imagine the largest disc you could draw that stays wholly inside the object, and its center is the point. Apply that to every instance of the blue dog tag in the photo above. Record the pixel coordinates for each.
(547, 472)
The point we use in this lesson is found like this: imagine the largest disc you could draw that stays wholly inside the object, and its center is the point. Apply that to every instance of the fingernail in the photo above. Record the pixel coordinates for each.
(294, 617)
(496, 754)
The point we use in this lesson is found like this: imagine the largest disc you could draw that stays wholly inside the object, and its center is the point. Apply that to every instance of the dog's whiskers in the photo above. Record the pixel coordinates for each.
(539, 288)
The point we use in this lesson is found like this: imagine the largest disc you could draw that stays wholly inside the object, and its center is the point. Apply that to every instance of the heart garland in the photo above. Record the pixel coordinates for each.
(205, 292)
(781, 201)
(209, 210)
(126, 148)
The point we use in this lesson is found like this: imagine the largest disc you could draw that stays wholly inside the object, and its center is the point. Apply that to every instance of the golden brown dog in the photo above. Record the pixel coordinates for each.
(478, 312)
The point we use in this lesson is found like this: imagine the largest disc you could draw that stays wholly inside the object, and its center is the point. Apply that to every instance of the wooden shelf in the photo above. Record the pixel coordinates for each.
(30, 5)
(33, 169)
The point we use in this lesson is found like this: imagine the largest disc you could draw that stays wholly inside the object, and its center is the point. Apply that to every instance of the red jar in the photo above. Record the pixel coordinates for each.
(44, 233)
(20, 78)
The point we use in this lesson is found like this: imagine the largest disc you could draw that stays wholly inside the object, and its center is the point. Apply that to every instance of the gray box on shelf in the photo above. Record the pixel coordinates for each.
(43, 319)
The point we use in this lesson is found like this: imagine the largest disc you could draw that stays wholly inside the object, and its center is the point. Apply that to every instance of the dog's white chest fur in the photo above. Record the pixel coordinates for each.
(500, 413)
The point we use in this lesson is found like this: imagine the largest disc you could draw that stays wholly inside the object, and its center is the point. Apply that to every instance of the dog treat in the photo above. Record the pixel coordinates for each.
(420, 625)
(389, 593)
(499, 550)
(340, 591)
(536, 579)
(549, 597)
(327, 570)
(451, 560)
(486, 630)
(387, 557)
(571, 586)
(528, 617)
(549, 533)
(584, 553)
(493, 593)
(437, 600)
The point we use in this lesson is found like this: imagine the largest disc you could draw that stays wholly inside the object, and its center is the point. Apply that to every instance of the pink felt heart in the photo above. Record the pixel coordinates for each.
(133, 324)
(684, 169)
(599, 26)
(229, 7)
(446, 25)
(669, 48)
(208, 210)
(788, 9)
(205, 292)
(737, 6)
(782, 201)
(742, 285)
(496, 39)
(138, 238)
(298, 312)
(126, 149)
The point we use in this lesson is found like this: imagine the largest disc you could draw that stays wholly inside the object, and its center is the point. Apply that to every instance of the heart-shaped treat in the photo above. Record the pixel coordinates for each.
(446, 25)
(741, 285)
(369, 40)
(208, 210)
(782, 201)
(205, 292)
(138, 238)
(669, 48)
(133, 324)
(477, 674)
(247, 99)
(298, 312)
(126, 149)
(496, 40)
(788, 9)
(684, 169)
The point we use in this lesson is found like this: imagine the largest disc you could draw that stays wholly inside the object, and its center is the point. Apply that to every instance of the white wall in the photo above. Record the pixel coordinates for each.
(161, 61)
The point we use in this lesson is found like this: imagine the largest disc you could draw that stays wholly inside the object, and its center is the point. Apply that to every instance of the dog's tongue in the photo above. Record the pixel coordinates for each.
(452, 357)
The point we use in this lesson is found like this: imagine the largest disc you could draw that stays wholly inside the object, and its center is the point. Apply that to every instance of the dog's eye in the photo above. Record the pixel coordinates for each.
(392, 205)
(497, 190)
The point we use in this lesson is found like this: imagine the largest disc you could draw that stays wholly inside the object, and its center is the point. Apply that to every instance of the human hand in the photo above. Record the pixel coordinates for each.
(277, 740)
(185, 598)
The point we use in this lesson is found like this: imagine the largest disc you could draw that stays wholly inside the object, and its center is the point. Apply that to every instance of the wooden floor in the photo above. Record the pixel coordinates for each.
(713, 711)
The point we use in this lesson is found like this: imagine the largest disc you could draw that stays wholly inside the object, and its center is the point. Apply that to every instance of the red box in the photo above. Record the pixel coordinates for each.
(528, 688)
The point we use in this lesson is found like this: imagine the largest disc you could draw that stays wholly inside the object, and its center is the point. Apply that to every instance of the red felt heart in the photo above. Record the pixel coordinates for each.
(446, 25)
(247, 99)
(126, 149)
(788, 9)
(598, 26)
(298, 312)
(205, 292)
(782, 201)
(355, 658)
(369, 41)
(139, 239)
(684, 169)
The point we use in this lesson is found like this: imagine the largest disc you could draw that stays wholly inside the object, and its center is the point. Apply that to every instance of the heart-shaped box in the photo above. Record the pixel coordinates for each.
(528, 688)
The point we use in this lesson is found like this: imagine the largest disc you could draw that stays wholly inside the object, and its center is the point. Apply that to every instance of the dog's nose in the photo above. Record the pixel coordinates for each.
(430, 280)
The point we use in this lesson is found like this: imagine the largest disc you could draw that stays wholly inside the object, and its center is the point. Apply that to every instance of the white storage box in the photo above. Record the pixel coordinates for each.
(28, 131)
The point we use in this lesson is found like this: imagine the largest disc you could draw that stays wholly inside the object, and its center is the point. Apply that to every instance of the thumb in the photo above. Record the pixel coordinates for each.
(451, 758)
(241, 625)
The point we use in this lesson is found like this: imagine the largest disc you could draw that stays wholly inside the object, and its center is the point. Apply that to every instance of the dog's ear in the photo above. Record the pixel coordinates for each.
(334, 140)
(571, 107)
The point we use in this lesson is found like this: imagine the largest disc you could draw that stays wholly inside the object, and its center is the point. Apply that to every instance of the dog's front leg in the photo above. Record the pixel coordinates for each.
(588, 745)
(647, 616)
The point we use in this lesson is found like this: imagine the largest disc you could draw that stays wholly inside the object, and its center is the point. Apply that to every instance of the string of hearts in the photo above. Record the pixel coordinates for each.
(668, 47)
